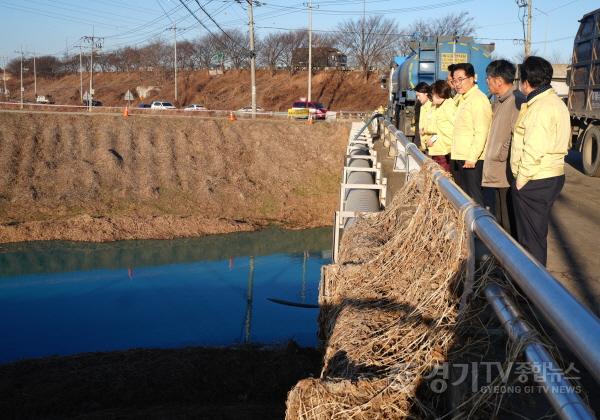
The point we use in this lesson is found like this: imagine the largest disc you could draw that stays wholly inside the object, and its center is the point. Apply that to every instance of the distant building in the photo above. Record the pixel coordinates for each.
(559, 79)
(322, 58)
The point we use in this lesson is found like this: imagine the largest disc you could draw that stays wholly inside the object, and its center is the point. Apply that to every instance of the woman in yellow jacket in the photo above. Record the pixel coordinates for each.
(440, 127)
(423, 117)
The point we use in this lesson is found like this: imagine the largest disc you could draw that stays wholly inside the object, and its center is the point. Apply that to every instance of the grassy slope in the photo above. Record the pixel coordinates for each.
(275, 92)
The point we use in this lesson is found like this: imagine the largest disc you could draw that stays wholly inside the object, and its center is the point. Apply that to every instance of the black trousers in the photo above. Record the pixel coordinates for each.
(469, 179)
(532, 205)
(501, 206)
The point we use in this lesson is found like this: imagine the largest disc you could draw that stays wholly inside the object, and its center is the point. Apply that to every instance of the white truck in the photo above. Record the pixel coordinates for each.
(44, 99)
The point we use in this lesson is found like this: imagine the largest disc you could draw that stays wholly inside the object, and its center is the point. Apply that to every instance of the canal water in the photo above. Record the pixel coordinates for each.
(61, 298)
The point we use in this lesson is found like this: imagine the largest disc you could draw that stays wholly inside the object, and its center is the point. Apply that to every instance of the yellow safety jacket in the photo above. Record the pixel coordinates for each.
(425, 121)
(471, 126)
(541, 138)
(442, 126)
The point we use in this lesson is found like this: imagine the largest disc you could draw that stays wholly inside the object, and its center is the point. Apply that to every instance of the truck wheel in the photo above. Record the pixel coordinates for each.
(590, 152)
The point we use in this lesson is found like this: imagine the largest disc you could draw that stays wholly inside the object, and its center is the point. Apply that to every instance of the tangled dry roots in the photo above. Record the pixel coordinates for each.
(389, 308)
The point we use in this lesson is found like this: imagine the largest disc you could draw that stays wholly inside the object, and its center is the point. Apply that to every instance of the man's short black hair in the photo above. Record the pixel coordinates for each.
(466, 67)
(423, 87)
(536, 71)
(451, 69)
(502, 68)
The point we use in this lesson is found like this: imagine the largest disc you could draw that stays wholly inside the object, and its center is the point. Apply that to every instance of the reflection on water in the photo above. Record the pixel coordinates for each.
(66, 298)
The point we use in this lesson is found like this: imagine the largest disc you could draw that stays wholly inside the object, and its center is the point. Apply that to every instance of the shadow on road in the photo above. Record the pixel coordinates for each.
(580, 278)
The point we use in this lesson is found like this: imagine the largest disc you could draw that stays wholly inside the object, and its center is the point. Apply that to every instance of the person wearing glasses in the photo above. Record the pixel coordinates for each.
(500, 78)
(471, 126)
(537, 155)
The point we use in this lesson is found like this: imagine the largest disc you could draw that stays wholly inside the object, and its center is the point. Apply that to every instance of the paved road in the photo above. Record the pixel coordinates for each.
(574, 238)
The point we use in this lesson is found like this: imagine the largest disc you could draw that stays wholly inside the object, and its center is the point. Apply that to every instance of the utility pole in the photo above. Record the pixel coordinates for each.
(80, 72)
(34, 78)
(526, 34)
(174, 29)
(252, 56)
(309, 50)
(528, 41)
(22, 88)
(95, 42)
(362, 32)
(4, 77)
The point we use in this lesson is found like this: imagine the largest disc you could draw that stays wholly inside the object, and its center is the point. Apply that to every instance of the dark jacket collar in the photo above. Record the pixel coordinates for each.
(535, 92)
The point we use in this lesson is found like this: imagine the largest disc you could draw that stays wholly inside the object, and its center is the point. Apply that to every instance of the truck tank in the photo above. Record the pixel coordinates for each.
(427, 63)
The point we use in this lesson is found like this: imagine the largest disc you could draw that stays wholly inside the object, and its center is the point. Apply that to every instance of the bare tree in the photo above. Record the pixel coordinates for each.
(271, 53)
(234, 44)
(206, 52)
(559, 57)
(368, 42)
(185, 55)
(291, 41)
(69, 64)
(453, 24)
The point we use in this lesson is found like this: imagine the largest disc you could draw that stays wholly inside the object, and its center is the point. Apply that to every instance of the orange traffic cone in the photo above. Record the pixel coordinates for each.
(310, 120)
(231, 116)
(126, 112)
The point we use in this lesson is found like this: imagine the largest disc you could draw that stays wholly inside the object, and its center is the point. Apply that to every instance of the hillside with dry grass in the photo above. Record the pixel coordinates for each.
(337, 90)
(102, 177)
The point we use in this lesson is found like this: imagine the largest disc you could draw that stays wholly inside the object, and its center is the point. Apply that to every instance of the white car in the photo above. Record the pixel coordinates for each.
(249, 109)
(194, 107)
(162, 105)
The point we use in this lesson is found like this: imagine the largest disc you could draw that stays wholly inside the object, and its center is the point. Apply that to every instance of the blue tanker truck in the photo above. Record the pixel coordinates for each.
(429, 62)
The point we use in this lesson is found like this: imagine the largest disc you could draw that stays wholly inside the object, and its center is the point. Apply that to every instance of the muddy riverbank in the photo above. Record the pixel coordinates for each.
(102, 178)
(195, 382)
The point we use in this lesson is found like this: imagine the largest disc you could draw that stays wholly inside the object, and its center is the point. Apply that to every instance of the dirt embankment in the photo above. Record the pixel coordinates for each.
(337, 90)
(100, 178)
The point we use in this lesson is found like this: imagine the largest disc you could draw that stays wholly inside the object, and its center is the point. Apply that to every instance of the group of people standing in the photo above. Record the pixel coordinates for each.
(508, 155)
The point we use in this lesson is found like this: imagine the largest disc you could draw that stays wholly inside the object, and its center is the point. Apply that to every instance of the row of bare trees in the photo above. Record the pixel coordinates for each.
(369, 43)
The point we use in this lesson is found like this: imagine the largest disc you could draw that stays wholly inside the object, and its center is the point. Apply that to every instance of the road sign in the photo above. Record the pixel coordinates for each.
(129, 96)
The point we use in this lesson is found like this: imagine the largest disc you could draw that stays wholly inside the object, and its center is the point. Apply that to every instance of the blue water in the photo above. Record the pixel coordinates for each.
(61, 298)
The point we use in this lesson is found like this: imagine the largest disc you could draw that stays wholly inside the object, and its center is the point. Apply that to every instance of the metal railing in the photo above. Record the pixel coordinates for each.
(133, 110)
(578, 326)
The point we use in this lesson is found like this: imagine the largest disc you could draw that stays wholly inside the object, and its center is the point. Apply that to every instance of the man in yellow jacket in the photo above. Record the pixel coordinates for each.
(540, 143)
(471, 126)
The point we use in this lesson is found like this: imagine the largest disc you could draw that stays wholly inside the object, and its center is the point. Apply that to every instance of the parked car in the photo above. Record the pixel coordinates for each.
(194, 107)
(162, 105)
(143, 105)
(302, 109)
(44, 99)
(249, 109)
(94, 102)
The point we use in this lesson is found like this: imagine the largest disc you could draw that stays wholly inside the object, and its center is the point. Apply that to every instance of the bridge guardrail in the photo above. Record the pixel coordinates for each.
(577, 326)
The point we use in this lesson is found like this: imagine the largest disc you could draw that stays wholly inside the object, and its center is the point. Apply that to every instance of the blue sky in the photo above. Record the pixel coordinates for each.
(52, 26)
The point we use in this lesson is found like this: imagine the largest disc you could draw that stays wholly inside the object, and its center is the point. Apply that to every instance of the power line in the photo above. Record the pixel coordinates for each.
(215, 22)
(208, 30)
(387, 11)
